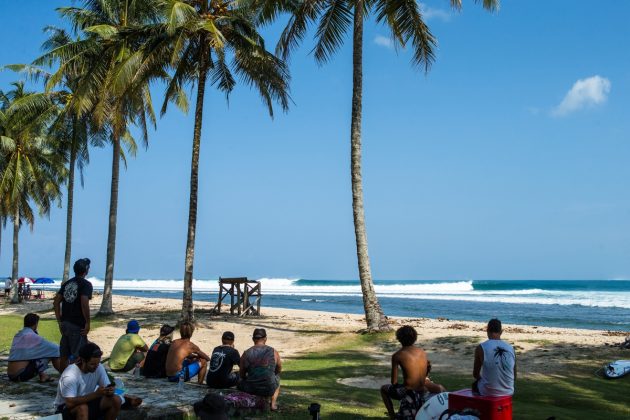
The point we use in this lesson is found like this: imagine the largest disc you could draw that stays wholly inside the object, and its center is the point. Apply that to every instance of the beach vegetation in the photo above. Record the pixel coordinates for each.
(72, 130)
(210, 43)
(113, 87)
(333, 20)
(30, 170)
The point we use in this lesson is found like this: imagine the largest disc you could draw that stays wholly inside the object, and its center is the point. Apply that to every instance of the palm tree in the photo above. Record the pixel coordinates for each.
(72, 131)
(30, 171)
(114, 87)
(209, 41)
(334, 18)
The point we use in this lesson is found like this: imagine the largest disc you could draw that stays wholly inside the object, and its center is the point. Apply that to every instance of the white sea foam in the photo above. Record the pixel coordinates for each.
(453, 291)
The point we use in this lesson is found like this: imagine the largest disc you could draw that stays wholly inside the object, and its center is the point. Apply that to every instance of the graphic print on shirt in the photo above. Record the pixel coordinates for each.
(71, 291)
(502, 354)
(216, 360)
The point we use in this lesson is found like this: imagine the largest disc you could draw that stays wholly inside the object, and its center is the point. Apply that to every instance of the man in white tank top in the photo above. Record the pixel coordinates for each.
(495, 364)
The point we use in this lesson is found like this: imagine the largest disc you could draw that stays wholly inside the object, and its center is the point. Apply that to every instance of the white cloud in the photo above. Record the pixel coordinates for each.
(429, 13)
(383, 41)
(584, 93)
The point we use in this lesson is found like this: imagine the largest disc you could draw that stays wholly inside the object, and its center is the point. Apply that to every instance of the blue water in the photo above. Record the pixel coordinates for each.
(593, 304)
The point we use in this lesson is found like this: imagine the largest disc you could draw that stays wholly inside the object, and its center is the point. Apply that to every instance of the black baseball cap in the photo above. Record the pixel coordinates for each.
(259, 333)
(81, 266)
(228, 336)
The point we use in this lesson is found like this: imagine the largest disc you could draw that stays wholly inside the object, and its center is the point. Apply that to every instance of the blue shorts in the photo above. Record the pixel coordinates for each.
(189, 370)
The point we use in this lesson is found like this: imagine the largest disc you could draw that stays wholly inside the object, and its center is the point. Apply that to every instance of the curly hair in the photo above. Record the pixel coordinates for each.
(406, 335)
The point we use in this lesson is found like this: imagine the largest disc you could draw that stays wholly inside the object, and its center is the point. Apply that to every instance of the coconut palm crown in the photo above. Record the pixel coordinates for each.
(334, 19)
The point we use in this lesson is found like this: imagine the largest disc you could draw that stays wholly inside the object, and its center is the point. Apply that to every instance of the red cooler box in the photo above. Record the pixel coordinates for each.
(491, 408)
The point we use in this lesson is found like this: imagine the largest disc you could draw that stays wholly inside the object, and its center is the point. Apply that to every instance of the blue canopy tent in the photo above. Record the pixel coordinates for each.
(44, 280)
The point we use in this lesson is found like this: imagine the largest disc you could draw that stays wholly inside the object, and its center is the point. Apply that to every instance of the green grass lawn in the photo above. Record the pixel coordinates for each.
(313, 378)
(48, 328)
(578, 394)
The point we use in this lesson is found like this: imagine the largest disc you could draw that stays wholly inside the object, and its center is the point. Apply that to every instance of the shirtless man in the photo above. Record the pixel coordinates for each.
(415, 366)
(184, 358)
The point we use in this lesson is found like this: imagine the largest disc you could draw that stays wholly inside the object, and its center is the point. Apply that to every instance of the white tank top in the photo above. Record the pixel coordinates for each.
(497, 371)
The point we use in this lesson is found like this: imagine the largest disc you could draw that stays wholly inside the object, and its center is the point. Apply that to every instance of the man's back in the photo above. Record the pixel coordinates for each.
(71, 292)
(222, 360)
(497, 372)
(179, 350)
(155, 362)
(413, 362)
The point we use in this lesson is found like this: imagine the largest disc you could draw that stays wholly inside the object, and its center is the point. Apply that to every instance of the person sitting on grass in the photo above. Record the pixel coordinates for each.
(185, 359)
(84, 390)
(494, 369)
(414, 365)
(223, 358)
(30, 353)
(155, 362)
(128, 352)
(260, 369)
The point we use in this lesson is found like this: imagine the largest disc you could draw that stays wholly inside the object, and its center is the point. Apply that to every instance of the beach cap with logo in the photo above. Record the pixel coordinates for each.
(166, 330)
(133, 327)
(259, 333)
(228, 336)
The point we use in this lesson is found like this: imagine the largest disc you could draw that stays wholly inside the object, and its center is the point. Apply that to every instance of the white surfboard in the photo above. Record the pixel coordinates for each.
(434, 407)
(617, 369)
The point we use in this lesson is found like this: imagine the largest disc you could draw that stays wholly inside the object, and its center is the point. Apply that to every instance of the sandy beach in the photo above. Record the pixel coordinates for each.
(449, 343)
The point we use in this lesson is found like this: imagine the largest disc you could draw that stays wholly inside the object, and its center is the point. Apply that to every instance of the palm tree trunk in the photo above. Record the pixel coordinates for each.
(187, 302)
(376, 320)
(14, 272)
(66, 260)
(106, 304)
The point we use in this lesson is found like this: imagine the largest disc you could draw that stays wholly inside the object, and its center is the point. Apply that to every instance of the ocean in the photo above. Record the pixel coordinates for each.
(592, 304)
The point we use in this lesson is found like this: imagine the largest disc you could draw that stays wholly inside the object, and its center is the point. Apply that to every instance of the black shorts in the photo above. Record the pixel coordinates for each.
(71, 340)
(410, 401)
(94, 410)
(29, 372)
(229, 382)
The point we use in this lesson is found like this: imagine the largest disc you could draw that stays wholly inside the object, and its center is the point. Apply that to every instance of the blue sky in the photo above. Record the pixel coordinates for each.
(508, 160)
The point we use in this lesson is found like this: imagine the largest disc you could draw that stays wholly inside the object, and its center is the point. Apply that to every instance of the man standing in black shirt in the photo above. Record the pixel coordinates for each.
(223, 358)
(72, 310)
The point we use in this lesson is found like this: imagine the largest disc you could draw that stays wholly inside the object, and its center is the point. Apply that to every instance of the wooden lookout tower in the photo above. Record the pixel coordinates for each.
(244, 296)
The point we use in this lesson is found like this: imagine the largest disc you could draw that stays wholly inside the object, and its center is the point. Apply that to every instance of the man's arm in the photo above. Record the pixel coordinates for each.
(394, 372)
(85, 310)
(242, 368)
(72, 402)
(514, 367)
(197, 350)
(276, 355)
(57, 306)
(478, 363)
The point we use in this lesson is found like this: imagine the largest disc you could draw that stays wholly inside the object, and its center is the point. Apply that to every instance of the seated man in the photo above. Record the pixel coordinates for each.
(260, 369)
(129, 349)
(223, 358)
(184, 358)
(84, 390)
(155, 362)
(30, 353)
(415, 366)
(495, 364)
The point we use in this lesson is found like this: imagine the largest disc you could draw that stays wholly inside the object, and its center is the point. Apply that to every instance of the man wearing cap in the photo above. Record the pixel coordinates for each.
(155, 362)
(260, 369)
(129, 349)
(72, 310)
(223, 358)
